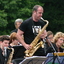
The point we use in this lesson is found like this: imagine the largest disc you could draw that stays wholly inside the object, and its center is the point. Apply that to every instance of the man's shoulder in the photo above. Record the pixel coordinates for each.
(29, 19)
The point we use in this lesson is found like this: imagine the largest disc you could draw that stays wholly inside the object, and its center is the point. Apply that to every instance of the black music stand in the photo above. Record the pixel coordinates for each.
(18, 52)
(34, 60)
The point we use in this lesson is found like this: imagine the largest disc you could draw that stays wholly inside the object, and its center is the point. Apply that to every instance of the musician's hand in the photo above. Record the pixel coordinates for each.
(44, 34)
(27, 46)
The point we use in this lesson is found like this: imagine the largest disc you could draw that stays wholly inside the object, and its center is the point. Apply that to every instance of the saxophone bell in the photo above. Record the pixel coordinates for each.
(8, 53)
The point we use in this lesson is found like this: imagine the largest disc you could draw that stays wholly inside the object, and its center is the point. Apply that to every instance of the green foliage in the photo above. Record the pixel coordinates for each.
(10, 10)
(55, 15)
(3, 19)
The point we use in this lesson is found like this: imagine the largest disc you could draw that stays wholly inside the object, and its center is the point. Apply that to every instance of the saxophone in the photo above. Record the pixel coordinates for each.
(35, 46)
(62, 46)
(10, 56)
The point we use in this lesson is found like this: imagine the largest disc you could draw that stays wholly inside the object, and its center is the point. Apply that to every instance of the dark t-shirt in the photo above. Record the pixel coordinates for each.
(31, 29)
(1, 57)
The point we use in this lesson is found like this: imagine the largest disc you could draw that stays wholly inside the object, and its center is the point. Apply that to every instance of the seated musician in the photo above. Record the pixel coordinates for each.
(18, 48)
(48, 40)
(58, 41)
(4, 42)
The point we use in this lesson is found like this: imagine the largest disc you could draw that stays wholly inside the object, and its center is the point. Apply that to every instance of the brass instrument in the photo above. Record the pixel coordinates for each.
(10, 56)
(62, 47)
(35, 46)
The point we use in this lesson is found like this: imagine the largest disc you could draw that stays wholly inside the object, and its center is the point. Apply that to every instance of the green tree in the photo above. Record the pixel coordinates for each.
(16, 9)
(10, 10)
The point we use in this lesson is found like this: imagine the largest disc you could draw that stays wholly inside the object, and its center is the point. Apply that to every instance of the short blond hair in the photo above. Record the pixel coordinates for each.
(35, 8)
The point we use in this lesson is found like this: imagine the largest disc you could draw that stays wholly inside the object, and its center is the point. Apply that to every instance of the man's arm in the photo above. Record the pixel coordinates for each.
(21, 40)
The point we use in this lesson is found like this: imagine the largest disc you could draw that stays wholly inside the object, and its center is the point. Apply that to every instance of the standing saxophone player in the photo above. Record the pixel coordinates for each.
(4, 42)
(31, 27)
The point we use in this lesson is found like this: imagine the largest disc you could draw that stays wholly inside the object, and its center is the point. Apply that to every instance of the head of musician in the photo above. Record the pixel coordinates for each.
(59, 39)
(18, 23)
(50, 36)
(4, 41)
(13, 39)
(37, 12)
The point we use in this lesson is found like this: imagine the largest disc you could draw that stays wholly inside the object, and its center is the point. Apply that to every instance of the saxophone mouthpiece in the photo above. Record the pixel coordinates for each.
(42, 18)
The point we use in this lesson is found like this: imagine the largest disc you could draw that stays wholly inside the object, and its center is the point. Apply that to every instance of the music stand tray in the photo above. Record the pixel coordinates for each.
(34, 60)
(59, 54)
